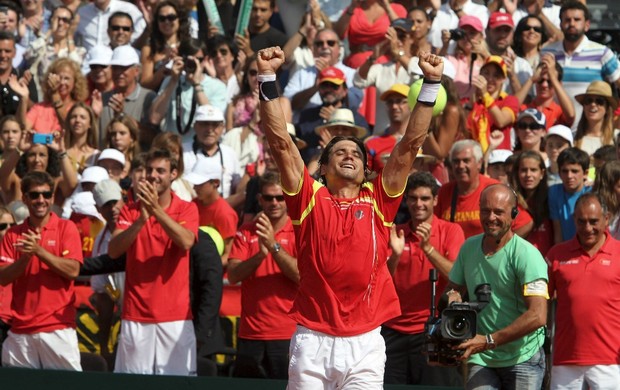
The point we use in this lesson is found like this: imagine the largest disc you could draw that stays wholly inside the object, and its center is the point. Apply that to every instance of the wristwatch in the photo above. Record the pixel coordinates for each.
(401, 53)
(490, 342)
(276, 248)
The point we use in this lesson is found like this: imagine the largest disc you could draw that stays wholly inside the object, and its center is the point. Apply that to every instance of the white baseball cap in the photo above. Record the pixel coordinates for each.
(99, 55)
(499, 156)
(84, 203)
(112, 154)
(204, 171)
(124, 56)
(94, 174)
(106, 191)
(208, 113)
(562, 132)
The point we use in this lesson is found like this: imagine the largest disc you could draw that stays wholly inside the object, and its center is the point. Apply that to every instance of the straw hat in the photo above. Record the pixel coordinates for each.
(599, 88)
(343, 117)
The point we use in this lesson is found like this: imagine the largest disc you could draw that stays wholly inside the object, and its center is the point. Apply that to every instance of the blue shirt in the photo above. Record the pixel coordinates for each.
(562, 206)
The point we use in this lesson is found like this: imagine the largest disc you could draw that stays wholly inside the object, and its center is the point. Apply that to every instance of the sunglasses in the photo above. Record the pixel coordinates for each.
(167, 18)
(598, 100)
(531, 126)
(398, 101)
(329, 42)
(253, 72)
(4, 226)
(36, 194)
(270, 198)
(118, 28)
(535, 28)
(64, 19)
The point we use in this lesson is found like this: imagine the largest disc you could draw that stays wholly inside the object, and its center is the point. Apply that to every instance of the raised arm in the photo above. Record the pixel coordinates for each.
(400, 161)
(283, 149)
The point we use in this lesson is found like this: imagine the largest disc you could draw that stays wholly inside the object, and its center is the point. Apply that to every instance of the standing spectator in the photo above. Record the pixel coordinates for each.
(507, 350)
(494, 111)
(10, 22)
(573, 164)
(529, 37)
(41, 257)
(421, 27)
(213, 210)
(120, 29)
(558, 138)
(264, 259)
(583, 60)
(9, 98)
(364, 24)
(156, 232)
(122, 135)
(459, 200)
(425, 243)
(128, 96)
(340, 305)
(448, 16)
(93, 27)
(35, 21)
(607, 186)
(260, 33)
(596, 127)
(547, 13)
(169, 31)
(583, 272)
(547, 79)
(242, 110)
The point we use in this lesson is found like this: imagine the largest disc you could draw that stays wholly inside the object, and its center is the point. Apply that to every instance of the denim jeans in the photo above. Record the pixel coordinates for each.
(523, 376)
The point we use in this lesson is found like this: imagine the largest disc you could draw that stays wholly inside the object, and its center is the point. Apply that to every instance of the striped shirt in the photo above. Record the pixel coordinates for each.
(590, 62)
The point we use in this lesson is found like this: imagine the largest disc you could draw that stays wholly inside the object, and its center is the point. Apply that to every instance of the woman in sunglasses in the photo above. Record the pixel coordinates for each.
(169, 29)
(56, 43)
(595, 127)
(529, 37)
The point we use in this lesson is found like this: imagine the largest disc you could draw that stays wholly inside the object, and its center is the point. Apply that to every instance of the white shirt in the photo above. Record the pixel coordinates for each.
(247, 150)
(551, 11)
(93, 27)
(225, 157)
(447, 19)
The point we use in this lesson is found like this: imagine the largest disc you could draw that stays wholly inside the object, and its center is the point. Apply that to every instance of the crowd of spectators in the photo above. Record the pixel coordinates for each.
(124, 127)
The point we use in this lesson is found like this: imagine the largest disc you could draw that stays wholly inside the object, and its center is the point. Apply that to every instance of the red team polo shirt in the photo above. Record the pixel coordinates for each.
(411, 276)
(220, 216)
(267, 295)
(342, 250)
(157, 273)
(586, 288)
(468, 208)
(42, 299)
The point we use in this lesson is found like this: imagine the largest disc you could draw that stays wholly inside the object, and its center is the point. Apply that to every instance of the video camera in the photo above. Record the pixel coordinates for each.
(456, 324)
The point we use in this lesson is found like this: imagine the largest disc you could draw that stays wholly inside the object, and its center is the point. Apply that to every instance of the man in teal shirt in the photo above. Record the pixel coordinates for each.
(506, 352)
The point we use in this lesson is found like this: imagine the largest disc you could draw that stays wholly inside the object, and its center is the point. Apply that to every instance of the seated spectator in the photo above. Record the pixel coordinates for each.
(547, 80)
(558, 138)
(606, 186)
(529, 181)
(595, 128)
(530, 128)
(122, 135)
(448, 16)
(64, 86)
(340, 123)
(243, 108)
(466, 58)
(96, 67)
(421, 27)
(397, 69)
(81, 136)
(529, 37)
(573, 164)
(173, 143)
(496, 165)
(56, 43)
(493, 109)
(113, 161)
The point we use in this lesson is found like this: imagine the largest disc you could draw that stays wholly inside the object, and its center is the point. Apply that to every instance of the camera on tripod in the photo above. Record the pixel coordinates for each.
(456, 324)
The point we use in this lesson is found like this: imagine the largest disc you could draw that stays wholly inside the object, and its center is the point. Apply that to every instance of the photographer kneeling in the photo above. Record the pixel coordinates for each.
(507, 350)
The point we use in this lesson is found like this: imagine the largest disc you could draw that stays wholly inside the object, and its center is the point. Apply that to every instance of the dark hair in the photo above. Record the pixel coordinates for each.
(245, 88)
(422, 179)
(606, 153)
(10, 118)
(604, 184)
(7, 36)
(192, 46)
(120, 14)
(93, 132)
(168, 140)
(589, 196)
(518, 35)
(218, 40)
(272, 3)
(269, 178)
(36, 178)
(421, 9)
(155, 154)
(574, 156)
(573, 4)
(324, 158)
(53, 163)
(138, 162)
(536, 203)
(157, 40)
(12, 6)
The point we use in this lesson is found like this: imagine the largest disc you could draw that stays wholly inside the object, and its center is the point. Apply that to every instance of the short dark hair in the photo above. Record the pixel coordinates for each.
(422, 179)
(7, 36)
(324, 158)
(588, 196)
(12, 6)
(573, 4)
(218, 40)
(574, 156)
(269, 178)
(606, 153)
(155, 154)
(421, 9)
(138, 162)
(36, 178)
(192, 46)
(120, 14)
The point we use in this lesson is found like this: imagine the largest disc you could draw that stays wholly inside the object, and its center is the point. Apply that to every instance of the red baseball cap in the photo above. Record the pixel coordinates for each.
(498, 19)
(471, 21)
(333, 75)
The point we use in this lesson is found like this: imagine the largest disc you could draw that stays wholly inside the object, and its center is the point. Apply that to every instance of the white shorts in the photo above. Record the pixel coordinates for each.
(321, 361)
(56, 350)
(165, 348)
(598, 377)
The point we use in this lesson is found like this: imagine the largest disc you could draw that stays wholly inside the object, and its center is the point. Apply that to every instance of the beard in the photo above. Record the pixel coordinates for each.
(573, 37)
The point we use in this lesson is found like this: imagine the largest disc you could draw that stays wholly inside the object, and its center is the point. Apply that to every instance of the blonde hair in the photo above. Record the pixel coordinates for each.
(92, 138)
(80, 86)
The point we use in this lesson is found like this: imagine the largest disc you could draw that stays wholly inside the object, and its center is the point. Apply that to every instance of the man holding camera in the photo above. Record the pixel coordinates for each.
(507, 349)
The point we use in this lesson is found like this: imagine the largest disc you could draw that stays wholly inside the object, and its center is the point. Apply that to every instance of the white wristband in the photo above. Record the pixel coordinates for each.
(428, 93)
(266, 77)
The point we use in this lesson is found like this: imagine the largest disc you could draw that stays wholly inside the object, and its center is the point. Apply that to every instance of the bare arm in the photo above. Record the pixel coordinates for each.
(161, 103)
(342, 25)
(10, 272)
(400, 161)
(502, 116)
(67, 268)
(287, 264)
(240, 270)
(122, 239)
(285, 153)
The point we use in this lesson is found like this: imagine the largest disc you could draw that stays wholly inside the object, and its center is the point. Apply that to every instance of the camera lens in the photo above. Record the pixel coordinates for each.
(458, 327)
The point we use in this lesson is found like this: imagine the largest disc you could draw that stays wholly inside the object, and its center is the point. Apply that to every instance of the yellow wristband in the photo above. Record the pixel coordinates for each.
(488, 100)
